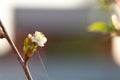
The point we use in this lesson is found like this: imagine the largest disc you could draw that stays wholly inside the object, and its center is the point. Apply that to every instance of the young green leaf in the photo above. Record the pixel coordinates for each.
(98, 27)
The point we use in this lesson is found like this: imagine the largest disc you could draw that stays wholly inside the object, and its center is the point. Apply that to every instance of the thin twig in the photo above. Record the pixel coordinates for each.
(17, 53)
(27, 72)
(44, 68)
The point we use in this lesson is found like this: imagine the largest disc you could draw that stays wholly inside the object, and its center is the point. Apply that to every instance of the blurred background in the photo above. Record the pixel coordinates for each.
(71, 52)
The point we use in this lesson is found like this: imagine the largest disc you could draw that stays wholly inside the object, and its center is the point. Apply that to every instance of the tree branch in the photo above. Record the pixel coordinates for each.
(17, 53)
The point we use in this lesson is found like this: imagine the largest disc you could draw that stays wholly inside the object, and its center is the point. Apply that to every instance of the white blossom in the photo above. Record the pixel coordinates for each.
(115, 22)
(29, 35)
(39, 38)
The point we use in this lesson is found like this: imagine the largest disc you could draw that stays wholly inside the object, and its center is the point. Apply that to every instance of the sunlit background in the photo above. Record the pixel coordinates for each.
(71, 52)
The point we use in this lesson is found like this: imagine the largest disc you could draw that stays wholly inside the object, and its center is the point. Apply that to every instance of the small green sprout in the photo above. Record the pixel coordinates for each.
(112, 28)
(32, 42)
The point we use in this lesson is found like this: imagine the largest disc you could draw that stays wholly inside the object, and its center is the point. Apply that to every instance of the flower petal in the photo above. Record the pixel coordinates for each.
(115, 22)
(39, 38)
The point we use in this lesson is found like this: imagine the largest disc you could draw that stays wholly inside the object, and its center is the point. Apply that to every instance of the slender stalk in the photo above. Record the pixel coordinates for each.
(17, 54)
(27, 72)
(44, 68)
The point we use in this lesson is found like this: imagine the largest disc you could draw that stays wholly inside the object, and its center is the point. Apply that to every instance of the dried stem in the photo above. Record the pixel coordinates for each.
(17, 53)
